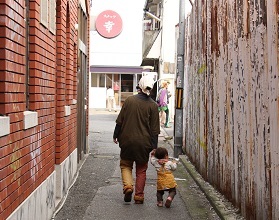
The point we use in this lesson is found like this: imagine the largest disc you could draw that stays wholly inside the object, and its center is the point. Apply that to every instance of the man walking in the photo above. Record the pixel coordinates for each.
(137, 128)
(111, 99)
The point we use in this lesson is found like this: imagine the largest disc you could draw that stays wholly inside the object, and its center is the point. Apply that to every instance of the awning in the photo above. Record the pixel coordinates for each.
(116, 69)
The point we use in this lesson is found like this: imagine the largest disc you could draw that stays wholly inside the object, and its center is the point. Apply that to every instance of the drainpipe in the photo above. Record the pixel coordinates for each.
(178, 118)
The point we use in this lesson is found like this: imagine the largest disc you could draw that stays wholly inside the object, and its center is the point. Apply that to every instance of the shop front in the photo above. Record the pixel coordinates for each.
(123, 80)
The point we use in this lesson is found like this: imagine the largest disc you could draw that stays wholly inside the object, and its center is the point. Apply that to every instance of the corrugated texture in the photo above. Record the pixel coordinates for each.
(232, 107)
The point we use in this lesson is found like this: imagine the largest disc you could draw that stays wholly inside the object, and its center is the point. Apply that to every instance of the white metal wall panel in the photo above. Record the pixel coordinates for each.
(231, 112)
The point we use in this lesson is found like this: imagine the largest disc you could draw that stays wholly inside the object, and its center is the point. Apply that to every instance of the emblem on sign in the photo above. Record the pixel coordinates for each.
(109, 24)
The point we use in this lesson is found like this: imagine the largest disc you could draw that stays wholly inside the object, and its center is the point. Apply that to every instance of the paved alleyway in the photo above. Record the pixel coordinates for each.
(97, 191)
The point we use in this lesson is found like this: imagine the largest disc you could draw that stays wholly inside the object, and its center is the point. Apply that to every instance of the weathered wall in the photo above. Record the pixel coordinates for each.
(65, 173)
(40, 204)
(232, 101)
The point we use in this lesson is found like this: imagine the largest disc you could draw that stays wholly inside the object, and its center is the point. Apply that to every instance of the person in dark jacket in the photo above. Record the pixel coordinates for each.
(137, 129)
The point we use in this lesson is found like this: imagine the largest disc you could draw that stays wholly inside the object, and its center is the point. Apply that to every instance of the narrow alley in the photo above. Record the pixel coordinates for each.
(68, 66)
(97, 191)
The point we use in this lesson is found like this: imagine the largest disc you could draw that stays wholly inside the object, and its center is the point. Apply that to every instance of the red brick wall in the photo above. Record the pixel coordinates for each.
(66, 78)
(27, 157)
(88, 69)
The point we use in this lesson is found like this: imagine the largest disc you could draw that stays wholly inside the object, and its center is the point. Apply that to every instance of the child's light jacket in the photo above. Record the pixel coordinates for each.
(165, 178)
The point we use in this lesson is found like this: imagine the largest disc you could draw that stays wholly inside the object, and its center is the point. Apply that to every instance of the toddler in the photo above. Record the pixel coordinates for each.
(165, 179)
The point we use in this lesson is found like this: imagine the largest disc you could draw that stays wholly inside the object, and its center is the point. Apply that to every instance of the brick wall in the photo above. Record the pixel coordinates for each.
(28, 156)
(66, 78)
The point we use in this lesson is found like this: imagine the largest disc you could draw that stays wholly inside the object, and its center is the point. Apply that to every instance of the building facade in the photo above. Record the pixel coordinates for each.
(123, 80)
(160, 21)
(43, 103)
(116, 53)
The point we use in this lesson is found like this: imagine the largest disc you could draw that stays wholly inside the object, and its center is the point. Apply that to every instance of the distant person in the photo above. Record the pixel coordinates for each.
(116, 92)
(163, 101)
(137, 128)
(165, 179)
(111, 99)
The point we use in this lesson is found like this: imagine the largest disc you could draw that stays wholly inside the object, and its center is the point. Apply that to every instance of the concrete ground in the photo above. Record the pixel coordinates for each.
(96, 192)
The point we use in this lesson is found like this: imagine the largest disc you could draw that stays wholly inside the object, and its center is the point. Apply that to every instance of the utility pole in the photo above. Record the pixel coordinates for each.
(178, 118)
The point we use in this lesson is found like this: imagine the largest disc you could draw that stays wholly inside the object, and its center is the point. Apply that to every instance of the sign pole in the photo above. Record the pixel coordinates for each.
(178, 118)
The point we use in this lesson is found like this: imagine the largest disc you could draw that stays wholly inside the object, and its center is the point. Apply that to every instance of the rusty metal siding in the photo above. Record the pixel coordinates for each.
(273, 73)
(231, 108)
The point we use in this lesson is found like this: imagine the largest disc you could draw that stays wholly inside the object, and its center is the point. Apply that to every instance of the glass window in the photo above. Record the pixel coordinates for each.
(44, 13)
(102, 80)
(109, 80)
(126, 83)
(98, 80)
(93, 80)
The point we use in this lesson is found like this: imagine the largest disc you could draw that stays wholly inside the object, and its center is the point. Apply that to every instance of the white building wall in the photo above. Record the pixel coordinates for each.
(168, 47)
(126, 48)
(170, 19)
(169, 44)
(123, 50)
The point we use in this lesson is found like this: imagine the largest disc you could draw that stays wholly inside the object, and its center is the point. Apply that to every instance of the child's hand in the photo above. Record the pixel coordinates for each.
(153, 152)
(162, 161)
(115, 140)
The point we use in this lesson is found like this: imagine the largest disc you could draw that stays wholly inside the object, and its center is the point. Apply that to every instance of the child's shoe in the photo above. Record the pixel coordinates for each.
(168, 202)
(160, 203)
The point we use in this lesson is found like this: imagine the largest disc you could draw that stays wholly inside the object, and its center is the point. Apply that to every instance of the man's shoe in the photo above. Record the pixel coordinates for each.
(128, 195)
(167, 126)
(138, 202)
(138, 199)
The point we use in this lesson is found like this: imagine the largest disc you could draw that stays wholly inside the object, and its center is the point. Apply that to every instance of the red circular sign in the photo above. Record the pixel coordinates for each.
(109, 24)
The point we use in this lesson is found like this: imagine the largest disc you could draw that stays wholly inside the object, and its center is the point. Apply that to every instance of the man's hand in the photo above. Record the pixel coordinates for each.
(115, 140)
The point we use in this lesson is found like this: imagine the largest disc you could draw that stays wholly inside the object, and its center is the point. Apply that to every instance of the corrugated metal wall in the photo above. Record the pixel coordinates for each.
(231, 93)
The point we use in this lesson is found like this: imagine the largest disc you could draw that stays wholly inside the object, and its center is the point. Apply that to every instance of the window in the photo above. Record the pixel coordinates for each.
(48, 14)
(93, 80)
(102, 80)
(52, 16)
(98, 80)
(127, 83)
(109, 80)
(44, 12)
